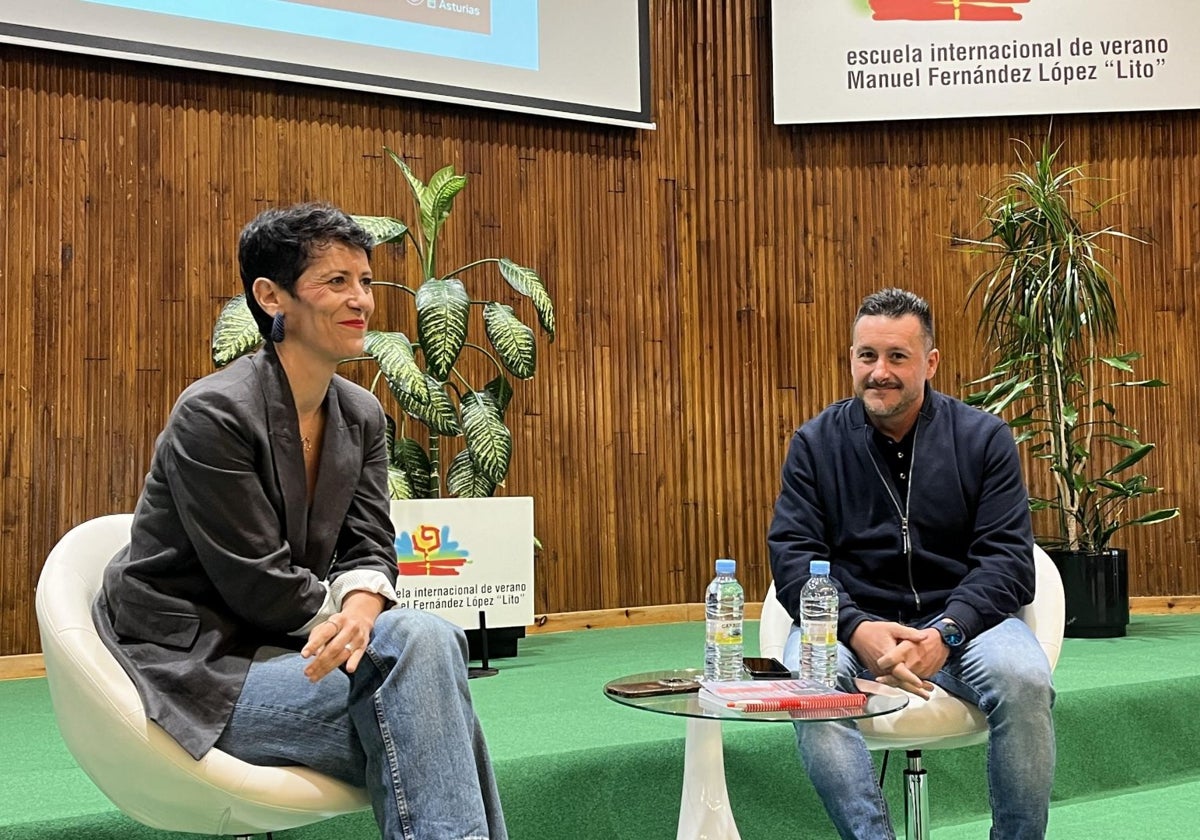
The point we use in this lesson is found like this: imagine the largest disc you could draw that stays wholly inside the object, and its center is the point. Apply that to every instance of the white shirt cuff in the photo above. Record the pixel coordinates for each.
(357, 580)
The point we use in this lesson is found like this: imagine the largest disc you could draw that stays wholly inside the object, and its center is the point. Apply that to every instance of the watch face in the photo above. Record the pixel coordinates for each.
(951, 635)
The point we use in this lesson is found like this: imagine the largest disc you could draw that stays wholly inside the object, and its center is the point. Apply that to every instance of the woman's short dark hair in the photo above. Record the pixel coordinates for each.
(896, 303)
(280, 243)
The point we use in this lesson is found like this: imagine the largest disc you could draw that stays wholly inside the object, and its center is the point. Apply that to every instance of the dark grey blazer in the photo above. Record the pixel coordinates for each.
(225, 555)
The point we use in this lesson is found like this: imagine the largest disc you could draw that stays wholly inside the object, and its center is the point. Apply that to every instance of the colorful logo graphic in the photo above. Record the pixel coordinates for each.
(945, 10)
(429, 551)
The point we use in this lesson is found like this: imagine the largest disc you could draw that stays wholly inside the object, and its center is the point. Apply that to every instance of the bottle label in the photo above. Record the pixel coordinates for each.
(818, 632)
(724, 632)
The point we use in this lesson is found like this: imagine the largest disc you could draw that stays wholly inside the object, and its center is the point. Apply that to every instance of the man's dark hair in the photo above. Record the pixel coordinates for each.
(896, 303)
(280, 243)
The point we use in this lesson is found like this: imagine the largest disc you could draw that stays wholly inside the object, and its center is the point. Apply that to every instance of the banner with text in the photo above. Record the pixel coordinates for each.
(456, 557)
(855, 60)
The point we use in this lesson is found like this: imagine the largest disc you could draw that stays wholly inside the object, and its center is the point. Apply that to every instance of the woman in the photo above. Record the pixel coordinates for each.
(252, 606)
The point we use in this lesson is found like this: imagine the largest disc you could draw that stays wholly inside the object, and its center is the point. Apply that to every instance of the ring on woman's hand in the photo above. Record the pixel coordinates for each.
(350, 648)
(337, 626)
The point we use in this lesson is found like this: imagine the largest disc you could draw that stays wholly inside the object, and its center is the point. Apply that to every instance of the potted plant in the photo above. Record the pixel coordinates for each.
(431, 382)
(1049, 316)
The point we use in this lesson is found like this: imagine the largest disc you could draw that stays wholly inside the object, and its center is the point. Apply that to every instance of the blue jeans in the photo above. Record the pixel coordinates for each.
(402, 725)
(1005, 673)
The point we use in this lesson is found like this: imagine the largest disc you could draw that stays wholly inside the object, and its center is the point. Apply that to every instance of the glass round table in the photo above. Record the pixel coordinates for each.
(704, 812)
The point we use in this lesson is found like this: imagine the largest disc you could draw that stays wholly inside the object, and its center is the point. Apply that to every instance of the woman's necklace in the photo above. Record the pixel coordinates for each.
(313, 425)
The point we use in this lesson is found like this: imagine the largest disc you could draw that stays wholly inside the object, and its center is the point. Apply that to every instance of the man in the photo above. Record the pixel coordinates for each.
(917, 501)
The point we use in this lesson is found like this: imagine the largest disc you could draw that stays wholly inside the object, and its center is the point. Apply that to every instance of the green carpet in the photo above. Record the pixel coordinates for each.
(572, 764)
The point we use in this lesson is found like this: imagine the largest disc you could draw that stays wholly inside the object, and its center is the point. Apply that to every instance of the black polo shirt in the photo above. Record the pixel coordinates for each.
(897, 454)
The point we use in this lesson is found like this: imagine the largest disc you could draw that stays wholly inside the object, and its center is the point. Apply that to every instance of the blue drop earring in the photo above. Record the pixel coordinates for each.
(277, 328)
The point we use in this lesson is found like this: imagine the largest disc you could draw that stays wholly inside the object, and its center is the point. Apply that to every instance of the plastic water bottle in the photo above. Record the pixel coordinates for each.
(818, 625)
(724, 604)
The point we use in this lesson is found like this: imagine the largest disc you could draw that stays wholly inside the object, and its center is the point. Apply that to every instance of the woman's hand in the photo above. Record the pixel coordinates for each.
(342, 638)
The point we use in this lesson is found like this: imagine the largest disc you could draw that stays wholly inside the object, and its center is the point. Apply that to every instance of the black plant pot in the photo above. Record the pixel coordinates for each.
(501, 642)
(1096, 585)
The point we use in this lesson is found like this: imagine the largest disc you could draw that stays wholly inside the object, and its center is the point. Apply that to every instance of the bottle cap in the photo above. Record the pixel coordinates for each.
(818, 567)
(725, 566)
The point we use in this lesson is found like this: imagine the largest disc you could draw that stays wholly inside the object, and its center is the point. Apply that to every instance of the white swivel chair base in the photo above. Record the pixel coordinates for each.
(916, 799)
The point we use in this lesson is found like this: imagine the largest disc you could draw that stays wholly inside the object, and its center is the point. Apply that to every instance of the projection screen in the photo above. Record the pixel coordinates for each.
(578, 59)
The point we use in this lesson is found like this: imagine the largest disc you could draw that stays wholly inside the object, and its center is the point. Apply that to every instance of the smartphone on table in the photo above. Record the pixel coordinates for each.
(765, 668)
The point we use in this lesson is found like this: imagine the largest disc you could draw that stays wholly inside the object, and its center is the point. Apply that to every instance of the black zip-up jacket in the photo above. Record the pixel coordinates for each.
(965, 549)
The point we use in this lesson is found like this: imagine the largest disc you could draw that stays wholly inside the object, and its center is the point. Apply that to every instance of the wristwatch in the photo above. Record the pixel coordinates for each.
(952, 635)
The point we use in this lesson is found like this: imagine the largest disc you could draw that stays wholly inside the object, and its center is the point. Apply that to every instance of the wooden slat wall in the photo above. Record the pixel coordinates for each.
(705, 274)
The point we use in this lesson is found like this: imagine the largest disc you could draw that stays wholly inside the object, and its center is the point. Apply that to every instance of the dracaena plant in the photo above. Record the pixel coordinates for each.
(424, 377)
(1049, 317)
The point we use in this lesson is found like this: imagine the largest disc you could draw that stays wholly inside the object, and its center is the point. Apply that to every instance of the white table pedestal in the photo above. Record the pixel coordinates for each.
(704, 812)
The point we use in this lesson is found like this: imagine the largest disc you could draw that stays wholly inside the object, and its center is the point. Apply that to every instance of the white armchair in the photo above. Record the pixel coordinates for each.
(136, 764)
(943, 721)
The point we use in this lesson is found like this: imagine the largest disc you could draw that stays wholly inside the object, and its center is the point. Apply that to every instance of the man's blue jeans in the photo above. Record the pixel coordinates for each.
(402, 725)
(1005, 673)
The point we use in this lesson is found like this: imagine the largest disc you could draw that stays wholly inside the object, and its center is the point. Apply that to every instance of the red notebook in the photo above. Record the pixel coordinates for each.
(777, 695)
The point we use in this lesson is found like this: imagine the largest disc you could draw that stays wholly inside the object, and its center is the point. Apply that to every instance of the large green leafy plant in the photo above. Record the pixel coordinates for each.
(1049, 316)
(427, 377)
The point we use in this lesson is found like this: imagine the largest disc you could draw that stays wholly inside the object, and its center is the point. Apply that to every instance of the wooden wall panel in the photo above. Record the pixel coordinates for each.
(705, 275)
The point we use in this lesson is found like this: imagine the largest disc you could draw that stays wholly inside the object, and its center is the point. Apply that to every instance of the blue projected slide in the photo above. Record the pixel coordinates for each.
(578, 59)
(464, 30)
